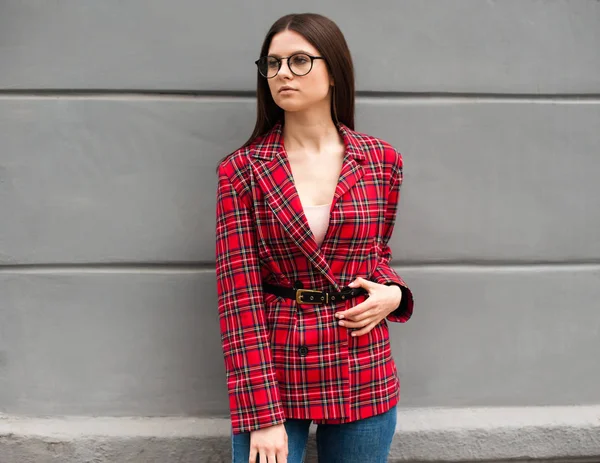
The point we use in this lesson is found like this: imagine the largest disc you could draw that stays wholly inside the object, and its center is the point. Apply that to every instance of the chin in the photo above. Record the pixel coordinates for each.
(290, 106)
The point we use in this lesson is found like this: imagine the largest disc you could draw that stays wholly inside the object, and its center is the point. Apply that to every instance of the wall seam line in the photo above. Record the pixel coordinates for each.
(366, 96)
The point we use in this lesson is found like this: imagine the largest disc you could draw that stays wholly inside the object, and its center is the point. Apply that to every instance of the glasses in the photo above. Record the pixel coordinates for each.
(300, 64)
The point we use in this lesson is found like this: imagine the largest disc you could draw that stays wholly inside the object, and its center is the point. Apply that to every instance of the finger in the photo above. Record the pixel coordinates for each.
(355, 325)
(253, 454)
(271, 458)
(352, 312)
(360, 282)
(365, 330)
(282, 456)
(361, 319)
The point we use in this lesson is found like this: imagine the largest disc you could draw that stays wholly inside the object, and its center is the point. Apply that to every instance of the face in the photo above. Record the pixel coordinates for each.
(307, 91)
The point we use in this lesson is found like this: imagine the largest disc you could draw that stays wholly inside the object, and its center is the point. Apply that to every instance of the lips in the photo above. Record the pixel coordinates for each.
(286, 88)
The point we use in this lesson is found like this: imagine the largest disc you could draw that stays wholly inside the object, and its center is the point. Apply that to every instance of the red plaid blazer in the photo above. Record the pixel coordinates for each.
(288, 360)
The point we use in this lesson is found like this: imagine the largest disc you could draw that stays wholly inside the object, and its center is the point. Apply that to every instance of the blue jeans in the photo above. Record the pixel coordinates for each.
(362, 441)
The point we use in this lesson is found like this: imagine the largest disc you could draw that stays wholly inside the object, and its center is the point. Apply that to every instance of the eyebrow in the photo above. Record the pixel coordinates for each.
(297, 51)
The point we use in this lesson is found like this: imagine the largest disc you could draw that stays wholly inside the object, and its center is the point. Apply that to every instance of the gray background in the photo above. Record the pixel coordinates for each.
(114, 114)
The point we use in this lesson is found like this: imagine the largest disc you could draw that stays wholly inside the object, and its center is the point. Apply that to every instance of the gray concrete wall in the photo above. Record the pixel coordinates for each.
(113, 116)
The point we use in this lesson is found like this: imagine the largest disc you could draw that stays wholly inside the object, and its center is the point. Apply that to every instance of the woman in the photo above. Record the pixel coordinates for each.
(305, 210)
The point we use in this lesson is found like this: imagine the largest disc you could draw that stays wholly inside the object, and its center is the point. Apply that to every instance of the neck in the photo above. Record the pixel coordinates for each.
(304, 131)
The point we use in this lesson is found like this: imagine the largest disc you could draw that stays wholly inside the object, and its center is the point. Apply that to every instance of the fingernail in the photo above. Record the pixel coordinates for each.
(341, 323)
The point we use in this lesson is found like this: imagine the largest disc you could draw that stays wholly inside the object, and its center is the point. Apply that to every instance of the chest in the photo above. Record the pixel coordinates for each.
(316, 177)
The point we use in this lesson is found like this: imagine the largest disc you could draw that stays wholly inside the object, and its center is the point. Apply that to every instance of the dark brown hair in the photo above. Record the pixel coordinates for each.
(328, 39)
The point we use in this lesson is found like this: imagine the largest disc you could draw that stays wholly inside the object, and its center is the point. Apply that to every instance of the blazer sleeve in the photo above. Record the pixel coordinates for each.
(384, 273)
(254, 398)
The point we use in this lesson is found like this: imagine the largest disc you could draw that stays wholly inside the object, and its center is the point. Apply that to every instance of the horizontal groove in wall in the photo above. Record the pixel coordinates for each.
(178, 268)
(361, 95)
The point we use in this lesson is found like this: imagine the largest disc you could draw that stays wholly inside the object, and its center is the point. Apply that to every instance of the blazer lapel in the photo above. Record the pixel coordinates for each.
(352, 170)
(274, 177)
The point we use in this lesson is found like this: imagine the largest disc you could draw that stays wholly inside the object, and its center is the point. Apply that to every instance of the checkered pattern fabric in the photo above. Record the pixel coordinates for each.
(288, 360)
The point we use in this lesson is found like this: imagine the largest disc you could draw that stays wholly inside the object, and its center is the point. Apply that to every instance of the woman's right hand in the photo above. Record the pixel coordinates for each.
(271, 444)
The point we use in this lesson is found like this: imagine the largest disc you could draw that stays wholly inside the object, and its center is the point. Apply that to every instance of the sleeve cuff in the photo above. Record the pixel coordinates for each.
(246, 423)
(404, 311)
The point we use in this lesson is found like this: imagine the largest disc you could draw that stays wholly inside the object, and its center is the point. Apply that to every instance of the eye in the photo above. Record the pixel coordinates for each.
(300, 59)
(272, 63)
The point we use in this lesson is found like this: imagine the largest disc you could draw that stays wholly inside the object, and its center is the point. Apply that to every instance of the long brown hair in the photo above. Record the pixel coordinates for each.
(326, 37)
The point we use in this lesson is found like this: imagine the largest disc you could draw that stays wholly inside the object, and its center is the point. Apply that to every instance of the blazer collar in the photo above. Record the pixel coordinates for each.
(271, 143)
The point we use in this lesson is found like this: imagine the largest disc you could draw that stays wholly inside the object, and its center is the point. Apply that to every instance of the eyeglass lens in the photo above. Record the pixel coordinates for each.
(300, 64)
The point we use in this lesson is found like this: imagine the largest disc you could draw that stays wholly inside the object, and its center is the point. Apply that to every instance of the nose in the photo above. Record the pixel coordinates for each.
(285, 70)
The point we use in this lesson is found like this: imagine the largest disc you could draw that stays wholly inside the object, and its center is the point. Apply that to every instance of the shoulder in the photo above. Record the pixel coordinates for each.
(236, 167)
(235, 163)
(378, 150)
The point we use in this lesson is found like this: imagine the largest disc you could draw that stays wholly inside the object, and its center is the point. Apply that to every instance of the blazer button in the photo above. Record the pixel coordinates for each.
(302, 351)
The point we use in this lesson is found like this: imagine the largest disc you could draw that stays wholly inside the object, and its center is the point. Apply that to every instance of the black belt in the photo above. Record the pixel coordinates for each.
(311, 296)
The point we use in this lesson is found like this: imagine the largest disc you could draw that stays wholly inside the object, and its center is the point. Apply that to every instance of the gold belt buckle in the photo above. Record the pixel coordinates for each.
(300, 292)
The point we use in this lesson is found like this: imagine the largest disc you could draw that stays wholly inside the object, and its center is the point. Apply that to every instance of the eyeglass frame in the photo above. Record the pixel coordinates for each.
(280, 61)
